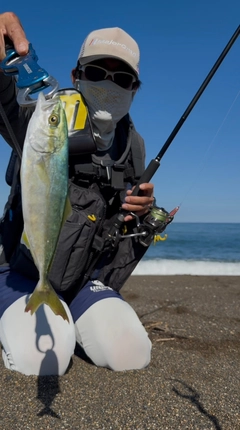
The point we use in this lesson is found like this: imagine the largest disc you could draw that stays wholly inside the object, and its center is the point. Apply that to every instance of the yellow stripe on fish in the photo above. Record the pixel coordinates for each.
(44, 182)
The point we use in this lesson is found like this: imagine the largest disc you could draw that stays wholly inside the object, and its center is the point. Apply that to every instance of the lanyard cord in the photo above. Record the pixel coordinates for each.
(12, 135)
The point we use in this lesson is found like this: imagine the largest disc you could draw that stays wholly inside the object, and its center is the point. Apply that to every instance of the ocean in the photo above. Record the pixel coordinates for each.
(194, 249)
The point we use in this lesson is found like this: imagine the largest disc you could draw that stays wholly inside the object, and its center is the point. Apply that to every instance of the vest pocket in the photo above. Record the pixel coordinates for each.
(75, 244)
(72, 251)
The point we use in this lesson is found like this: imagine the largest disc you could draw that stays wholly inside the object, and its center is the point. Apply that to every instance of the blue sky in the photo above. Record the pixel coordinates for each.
(179, 43)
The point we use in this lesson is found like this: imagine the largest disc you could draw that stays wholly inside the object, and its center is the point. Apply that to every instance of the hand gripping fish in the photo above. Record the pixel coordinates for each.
(44, 182)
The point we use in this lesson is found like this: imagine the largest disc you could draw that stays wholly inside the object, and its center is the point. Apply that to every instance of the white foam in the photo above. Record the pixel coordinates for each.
(183, 267)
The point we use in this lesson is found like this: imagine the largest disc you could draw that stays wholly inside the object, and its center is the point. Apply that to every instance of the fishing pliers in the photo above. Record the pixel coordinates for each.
(30, 77)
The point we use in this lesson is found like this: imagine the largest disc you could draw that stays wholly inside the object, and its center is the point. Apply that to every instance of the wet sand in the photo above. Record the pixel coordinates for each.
(193, 381)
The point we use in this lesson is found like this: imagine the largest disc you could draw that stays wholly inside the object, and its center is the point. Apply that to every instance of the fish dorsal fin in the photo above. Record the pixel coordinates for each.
(67, 210)
(24, 239)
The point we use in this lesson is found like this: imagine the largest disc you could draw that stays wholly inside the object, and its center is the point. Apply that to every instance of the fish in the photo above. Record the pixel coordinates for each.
(45, 202)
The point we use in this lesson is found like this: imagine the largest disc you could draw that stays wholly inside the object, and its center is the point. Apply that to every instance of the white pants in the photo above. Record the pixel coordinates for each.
(109, 331)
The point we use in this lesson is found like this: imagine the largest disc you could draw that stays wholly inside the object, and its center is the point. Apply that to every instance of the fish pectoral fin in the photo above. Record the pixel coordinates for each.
(42, 171)
(24, 240)
(67, 210)
(45, 294)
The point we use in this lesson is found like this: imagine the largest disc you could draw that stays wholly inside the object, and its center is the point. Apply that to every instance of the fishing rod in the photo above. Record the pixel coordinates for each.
(158, 218)
(155, 163)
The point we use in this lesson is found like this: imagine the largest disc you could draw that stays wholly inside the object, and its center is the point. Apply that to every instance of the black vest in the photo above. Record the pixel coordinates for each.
(97, 186)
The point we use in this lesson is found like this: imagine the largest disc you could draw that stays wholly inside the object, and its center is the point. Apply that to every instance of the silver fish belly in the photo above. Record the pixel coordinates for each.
(44, 183)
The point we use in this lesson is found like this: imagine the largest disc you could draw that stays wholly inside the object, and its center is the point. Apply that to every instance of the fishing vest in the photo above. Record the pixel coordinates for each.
(97, 188)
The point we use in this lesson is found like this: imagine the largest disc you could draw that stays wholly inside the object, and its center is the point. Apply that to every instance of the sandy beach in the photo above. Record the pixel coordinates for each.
(193, 381)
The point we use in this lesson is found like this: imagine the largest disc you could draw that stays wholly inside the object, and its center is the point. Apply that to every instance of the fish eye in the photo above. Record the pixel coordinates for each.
(53, 119)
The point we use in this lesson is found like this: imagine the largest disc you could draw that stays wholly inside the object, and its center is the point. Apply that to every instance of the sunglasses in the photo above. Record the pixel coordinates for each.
(96, 73)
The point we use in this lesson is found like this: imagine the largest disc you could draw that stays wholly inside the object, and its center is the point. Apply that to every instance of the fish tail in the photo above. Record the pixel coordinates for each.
(44, 293)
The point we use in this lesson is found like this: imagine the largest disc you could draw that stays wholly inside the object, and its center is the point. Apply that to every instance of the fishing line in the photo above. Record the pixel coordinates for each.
(202, 164)
(10, 131)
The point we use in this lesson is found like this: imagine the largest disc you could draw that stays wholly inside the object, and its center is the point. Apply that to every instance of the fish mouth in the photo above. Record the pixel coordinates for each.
(44, 103)
(47, 127)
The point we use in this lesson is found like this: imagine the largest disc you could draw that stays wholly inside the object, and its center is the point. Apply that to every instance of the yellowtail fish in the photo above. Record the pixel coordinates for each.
(44, 182)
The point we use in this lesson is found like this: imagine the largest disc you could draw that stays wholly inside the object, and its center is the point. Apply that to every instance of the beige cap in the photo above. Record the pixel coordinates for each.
(110, 42)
